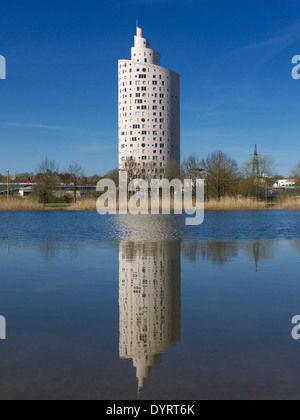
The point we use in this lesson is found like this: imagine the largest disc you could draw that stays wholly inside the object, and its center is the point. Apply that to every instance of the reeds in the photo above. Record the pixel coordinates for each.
(229, 204)
(86, 205)
(287, 203)
(224, 204)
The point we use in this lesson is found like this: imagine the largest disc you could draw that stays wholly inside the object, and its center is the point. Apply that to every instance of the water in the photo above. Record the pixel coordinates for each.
(121, 307)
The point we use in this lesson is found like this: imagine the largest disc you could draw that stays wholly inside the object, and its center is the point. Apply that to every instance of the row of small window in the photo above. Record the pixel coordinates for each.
(144, 139)
(138, 114)
(144, 95)
(143, 107)
(138, 95)
(143, 82)
(144, 133)
(162, 146)
(155, 120)
(143, 114)
(138, 126)
(135, 139)
(144, 70)
(140, 101)
(147, 158)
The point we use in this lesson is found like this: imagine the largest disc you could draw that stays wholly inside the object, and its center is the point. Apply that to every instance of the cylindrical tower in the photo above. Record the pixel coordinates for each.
(149, 109)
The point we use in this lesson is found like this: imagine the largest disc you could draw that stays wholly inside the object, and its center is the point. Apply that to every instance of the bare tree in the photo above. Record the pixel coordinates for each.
(296, 172)
(150, 171)
(114, 176)
(221, 175)
(266, 167)
(172, 171)
(47, 180)
(255, 181)
(192, 168)
(132, 168)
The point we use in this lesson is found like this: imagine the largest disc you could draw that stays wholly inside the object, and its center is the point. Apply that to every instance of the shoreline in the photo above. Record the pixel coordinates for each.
(226, 204)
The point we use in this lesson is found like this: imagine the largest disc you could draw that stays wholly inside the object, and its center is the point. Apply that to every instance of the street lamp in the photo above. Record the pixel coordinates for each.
(266, 186)
(7, 184)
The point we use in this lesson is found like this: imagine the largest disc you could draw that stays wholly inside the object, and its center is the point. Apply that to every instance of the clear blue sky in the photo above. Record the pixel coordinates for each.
(60, 96)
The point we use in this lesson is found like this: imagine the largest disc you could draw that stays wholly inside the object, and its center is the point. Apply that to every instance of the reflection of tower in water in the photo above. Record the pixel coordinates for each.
(150, 302)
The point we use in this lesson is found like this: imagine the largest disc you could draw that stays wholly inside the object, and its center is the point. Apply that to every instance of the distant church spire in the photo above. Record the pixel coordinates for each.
(256, 171)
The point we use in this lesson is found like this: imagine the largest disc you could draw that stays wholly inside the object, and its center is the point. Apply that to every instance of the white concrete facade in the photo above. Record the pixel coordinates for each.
(149, 109)
(284, 183)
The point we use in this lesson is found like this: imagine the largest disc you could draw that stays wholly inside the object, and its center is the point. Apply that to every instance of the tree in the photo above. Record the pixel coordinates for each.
(221, 175)
(149, 171)
(132, 168)
(47, 180)
(76, 173)
(190, 167)
(254, 183)
(266, 167)
(296, 175)
(27, 176)
(114, 176)
(296, 172)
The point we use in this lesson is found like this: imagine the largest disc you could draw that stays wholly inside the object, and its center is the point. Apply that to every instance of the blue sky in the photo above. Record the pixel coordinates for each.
(60, 96)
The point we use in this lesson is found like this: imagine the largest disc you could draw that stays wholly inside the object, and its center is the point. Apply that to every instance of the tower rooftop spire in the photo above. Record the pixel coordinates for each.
(139, 40)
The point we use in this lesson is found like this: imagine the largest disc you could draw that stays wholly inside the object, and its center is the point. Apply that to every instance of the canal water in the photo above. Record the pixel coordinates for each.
(126, 307)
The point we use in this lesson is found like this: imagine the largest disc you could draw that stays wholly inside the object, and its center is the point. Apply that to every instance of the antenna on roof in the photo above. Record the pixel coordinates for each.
(137, 23)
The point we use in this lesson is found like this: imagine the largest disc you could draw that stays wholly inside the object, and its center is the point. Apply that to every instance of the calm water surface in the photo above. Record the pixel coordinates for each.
(121, 307)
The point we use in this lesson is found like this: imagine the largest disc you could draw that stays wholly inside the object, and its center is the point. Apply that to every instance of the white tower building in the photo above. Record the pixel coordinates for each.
(149, 109)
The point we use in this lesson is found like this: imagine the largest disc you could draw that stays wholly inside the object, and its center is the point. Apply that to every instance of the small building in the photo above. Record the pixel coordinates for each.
(284, 183)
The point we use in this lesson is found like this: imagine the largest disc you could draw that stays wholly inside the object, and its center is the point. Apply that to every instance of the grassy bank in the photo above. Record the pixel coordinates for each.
(226, 204)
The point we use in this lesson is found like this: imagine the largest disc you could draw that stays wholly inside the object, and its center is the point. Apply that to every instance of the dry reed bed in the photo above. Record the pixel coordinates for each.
(288, 203)
(213, 205)
(226, 204)
(19, 204)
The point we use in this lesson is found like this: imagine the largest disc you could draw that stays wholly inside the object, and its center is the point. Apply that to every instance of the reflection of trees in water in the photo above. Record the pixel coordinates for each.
(216, 252)
(50, 250)
(261, 251)
(296, 245)
(221, 253)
